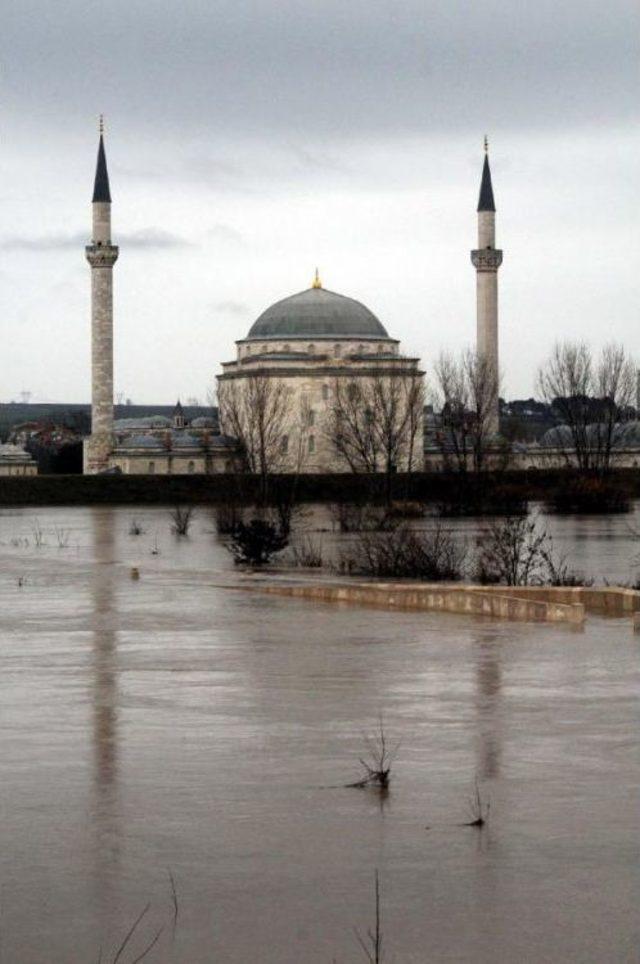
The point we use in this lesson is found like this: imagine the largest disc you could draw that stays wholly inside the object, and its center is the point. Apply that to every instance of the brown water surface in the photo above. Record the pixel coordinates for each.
(167, 725)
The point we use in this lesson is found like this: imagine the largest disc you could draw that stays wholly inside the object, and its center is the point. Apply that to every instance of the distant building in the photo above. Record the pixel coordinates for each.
(14, 460)
(157, 445)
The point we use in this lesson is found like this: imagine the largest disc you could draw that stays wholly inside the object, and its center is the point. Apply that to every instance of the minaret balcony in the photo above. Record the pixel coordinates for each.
(486, 259)
(101, 255)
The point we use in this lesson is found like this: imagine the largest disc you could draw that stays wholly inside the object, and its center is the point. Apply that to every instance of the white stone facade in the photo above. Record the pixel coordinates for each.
(310, 370)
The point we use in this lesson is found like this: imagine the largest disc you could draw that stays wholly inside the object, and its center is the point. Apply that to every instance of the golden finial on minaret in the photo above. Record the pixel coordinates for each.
(486, 144)
(316, 281)
(101, 125)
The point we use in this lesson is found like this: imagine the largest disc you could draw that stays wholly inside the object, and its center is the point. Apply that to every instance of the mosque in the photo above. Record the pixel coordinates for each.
(307, 349)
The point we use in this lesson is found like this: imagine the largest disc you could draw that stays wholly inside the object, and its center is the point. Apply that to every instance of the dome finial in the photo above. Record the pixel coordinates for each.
(316, 281)
(486, 144)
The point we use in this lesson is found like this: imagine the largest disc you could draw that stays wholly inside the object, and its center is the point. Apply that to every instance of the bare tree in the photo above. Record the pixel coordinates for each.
(414, 400)
(374, 422)
(588, 397)
(467, 391)
(514, 552)
(254, 410)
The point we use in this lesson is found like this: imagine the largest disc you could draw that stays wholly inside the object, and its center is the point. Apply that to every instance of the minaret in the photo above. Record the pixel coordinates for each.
(102, 256)
(486, 260)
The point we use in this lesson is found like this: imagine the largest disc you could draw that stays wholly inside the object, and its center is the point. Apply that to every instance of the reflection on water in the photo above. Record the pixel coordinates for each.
(488, 676)
(169, 724)
(105, 685)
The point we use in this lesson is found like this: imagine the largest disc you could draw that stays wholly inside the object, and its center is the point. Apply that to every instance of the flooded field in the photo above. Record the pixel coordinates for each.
(170, 728)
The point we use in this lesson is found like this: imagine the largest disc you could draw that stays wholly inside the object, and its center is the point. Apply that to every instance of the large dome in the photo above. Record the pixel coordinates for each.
(317, 313)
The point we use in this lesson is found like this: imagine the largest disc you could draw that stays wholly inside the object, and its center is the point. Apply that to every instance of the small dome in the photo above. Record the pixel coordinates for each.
(141, 442)
(185, 441)
(627, 435)
(317, 313)
(149, 421)
(557, 437)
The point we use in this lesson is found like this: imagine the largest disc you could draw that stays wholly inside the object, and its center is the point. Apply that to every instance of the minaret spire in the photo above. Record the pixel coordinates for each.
(485, 200)
(486, 259)
(101, 190)
(101, 255)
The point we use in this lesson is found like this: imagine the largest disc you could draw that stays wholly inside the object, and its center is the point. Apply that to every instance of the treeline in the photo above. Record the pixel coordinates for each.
(449, 493)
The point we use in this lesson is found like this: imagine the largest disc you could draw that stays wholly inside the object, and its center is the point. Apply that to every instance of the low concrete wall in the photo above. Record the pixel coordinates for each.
(608, 599)
(434, 598)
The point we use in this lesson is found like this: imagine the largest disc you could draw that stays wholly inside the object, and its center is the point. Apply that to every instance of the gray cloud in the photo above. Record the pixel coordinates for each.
(266, 136)
(152, 239)
(146, 238)
(325, 69)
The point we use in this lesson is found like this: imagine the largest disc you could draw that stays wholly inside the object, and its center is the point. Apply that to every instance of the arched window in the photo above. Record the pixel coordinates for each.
(152, 468)
(286, 348)
(191, 468)
(361, 349)
(312, 445)
(311, 418)
(284, 444)
(325, 392)
(337, 350)
(311, 349)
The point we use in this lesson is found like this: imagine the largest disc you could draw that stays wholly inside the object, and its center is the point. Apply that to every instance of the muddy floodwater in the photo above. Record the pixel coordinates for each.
(174, 727)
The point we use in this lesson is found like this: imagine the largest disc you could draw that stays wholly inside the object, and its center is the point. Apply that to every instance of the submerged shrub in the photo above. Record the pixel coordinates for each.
(357, 517)
(181, 518)
(402, 553)
(406, 509)
(307, 553)
(256, 542)
(513, 552)
(519, 552)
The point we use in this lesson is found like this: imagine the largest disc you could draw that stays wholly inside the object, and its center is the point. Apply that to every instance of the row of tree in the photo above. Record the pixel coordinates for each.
(375, 423)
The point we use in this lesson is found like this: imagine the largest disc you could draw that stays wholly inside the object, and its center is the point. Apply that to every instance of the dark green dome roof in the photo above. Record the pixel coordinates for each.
(317, 313)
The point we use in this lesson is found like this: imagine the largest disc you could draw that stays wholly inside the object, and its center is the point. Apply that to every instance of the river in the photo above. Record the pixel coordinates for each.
(171, 728)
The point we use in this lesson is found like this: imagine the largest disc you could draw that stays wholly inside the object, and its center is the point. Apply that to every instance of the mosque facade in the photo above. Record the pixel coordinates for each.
(321, 355)
(333, 369)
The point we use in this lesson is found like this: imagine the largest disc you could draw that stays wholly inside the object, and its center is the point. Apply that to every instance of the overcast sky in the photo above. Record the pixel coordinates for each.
(250, 140)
